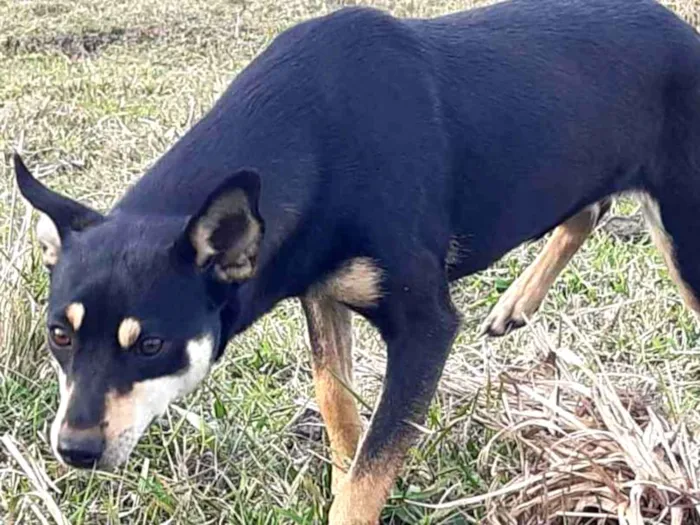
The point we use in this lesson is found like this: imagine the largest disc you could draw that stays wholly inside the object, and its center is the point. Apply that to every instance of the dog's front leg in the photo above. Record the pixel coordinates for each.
(330, 337)
(423, 328)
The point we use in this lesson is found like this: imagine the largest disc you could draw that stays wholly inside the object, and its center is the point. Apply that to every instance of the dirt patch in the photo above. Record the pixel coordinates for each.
(81, 44)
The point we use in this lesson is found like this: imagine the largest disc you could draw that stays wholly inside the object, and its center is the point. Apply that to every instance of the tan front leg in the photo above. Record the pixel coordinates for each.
(330, 334)
(362, 495)
(524, 296)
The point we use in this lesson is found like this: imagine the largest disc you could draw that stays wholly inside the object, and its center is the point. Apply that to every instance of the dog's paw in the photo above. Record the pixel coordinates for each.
(511, 312)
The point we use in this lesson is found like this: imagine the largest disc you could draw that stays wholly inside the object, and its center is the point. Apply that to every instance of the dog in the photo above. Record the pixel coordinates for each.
(361, 163)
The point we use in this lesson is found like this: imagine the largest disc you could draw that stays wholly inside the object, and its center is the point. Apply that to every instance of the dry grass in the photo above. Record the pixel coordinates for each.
(588, 452)
(93, 92)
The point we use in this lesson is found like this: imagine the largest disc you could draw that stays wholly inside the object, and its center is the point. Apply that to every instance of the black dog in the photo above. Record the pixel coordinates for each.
(361, 163)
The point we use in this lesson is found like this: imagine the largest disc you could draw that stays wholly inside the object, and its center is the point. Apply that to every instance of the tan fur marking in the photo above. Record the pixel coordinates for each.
(238, 263)
(75, 313)
(127, 415)
(525, 295)
(356, 283)
(200, 240)
(362, 496)
(341, 419)
(119, 413)
(49, 240)
(330, 335)
(233, 202)
(664, 243)
(128, 333)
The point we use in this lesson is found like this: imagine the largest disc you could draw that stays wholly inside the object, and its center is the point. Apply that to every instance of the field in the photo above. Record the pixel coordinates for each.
(92, 92)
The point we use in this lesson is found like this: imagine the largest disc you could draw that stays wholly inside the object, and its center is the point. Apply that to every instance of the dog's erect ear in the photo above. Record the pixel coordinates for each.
(226, 232)
(60, 215)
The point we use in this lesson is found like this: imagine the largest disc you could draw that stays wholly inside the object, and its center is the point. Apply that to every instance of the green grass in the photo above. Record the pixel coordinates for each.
(92, 92)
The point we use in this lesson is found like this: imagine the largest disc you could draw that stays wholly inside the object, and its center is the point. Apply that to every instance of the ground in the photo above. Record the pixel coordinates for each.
(92, 92)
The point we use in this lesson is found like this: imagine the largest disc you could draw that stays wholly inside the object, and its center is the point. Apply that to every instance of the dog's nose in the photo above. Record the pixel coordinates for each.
(81, 448)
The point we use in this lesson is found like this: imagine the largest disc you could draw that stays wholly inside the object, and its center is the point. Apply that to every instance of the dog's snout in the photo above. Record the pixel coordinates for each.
(81, 448)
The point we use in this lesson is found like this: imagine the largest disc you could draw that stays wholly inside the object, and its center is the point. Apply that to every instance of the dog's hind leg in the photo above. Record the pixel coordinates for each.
(674, 222)
(418, 322)
(524, 296)
(330, 335)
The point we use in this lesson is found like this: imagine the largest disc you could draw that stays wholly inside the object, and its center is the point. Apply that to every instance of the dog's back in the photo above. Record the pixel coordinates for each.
(559, 104)
(505, 104)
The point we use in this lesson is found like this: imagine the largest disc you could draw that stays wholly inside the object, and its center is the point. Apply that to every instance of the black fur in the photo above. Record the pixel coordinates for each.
(394, 139)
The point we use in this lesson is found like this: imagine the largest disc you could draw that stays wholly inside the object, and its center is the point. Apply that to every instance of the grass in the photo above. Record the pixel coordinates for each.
(92, 92)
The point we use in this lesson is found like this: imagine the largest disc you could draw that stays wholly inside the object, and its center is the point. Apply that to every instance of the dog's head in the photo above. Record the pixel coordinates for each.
(134, 313)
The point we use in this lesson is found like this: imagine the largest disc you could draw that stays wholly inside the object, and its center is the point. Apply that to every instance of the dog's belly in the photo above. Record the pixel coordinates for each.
(490, 225)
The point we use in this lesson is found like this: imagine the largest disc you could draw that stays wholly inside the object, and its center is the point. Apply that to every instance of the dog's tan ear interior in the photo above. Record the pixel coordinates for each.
(49, 240)
(227, 231)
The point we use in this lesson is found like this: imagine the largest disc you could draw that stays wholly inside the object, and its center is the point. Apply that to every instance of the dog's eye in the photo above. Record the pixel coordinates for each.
(151, 346)
(59, 337)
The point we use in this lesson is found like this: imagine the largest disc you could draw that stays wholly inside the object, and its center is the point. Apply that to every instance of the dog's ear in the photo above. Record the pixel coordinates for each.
(225, 233)
(59, 215)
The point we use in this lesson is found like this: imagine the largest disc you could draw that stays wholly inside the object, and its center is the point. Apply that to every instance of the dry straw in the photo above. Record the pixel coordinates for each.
(588, 453)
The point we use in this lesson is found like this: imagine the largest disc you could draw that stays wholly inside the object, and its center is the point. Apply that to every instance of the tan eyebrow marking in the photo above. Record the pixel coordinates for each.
(75, 313)
(129, 331)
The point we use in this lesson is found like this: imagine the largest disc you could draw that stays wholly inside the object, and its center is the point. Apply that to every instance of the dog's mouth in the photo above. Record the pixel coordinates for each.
(118, 450)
